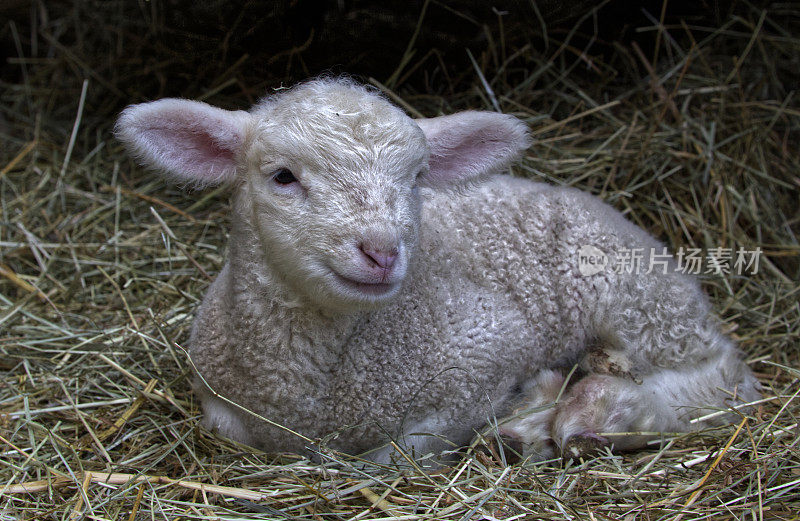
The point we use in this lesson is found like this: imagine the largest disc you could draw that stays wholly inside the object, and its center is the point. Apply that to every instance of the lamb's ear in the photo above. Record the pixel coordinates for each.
(470, 145)
(193, 141)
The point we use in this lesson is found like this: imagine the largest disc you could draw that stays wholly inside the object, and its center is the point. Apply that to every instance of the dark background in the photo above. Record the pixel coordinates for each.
(137, 50)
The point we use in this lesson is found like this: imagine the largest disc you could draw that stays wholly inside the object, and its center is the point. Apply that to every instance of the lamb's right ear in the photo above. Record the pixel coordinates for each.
(191, 140)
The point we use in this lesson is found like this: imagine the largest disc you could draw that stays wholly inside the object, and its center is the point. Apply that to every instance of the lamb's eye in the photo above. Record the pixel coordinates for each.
(284, 176)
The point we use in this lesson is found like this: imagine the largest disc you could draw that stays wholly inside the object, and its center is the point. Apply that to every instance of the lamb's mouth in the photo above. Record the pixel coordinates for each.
(368, 288)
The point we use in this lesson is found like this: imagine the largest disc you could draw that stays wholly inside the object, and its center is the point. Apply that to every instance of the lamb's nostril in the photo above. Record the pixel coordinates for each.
(383, 258)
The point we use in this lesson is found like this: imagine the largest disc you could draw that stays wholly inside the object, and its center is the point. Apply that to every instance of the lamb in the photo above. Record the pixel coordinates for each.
(385, 283)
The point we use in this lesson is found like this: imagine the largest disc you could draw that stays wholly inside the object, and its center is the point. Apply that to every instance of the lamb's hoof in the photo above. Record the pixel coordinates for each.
(583, 445)
(600, 361)
(511, 449)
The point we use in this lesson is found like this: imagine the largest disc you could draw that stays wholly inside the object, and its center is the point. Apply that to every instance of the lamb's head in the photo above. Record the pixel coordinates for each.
(327, 175)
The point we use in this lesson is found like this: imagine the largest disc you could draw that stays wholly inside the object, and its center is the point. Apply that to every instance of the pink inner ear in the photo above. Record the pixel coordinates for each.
(212, 150)
(470, 145)
(195, 152)
(453, 163)
(189, 139)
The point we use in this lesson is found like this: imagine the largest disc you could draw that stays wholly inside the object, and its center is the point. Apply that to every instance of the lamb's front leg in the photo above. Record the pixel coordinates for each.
(527, 431)
(223, 418)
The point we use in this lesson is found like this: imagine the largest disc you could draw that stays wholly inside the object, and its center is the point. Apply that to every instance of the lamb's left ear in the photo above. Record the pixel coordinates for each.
(470, 145)
(190, 140)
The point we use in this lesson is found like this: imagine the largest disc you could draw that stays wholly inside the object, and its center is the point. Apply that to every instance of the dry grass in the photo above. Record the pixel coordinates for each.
(101, 266)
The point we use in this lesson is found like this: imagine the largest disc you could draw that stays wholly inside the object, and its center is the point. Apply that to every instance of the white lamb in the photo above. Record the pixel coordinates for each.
(383, 285)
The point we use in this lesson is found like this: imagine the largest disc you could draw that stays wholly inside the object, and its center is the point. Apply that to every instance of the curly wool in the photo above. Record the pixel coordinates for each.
(493, 298)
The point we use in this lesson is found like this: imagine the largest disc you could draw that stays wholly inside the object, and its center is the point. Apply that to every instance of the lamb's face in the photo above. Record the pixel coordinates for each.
(332, 190)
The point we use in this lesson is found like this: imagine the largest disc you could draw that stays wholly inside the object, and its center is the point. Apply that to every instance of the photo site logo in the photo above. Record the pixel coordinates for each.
(715, 261)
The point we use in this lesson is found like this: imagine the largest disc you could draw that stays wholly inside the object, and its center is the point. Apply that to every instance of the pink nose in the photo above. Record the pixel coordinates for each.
(383, 258)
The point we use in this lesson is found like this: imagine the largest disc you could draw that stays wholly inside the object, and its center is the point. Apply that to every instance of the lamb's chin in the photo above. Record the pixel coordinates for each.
(356, 294)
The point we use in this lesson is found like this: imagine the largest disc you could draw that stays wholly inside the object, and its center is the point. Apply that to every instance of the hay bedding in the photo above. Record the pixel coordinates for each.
(101, 266)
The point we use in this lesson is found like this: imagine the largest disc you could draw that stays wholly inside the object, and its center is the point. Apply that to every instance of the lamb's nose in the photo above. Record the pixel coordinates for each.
(383, 258)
